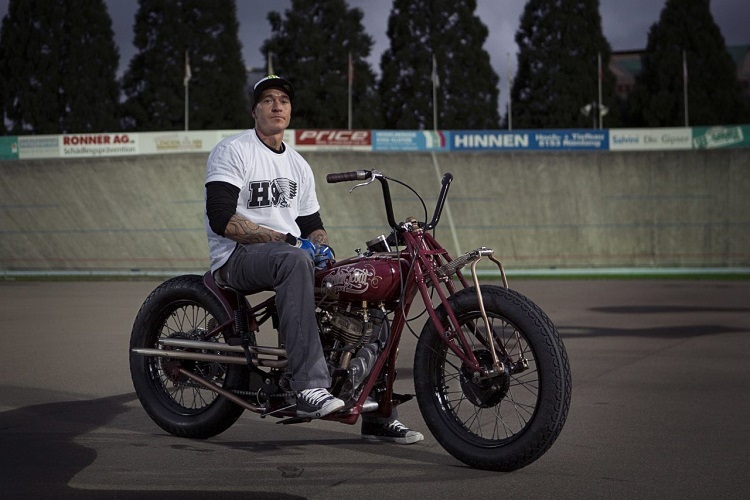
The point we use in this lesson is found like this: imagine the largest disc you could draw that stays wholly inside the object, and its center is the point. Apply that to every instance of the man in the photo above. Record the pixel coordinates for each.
(265, 231)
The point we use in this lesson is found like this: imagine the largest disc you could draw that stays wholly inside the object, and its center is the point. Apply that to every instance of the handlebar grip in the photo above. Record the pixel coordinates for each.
(357, 175)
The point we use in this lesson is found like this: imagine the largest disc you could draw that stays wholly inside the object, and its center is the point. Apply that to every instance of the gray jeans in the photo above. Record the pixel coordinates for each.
(290, 272)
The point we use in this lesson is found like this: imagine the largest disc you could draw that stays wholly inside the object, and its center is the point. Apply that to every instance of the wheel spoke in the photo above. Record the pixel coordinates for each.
(490, 412)
(189, 322)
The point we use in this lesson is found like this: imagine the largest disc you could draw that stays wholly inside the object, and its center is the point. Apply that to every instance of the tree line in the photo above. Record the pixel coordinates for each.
(59, 64)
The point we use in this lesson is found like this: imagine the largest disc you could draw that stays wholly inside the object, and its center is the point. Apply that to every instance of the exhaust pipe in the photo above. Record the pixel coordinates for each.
(239, 359)
(223, 392)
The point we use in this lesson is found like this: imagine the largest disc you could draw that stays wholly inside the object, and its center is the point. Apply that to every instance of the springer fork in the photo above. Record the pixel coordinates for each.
(473, 257)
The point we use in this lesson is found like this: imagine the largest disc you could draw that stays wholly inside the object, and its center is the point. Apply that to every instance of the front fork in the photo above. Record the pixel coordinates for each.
(497, 366)
(463, 350)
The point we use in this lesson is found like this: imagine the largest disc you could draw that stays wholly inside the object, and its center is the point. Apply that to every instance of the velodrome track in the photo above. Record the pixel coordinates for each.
(660, 407)
(671, 209)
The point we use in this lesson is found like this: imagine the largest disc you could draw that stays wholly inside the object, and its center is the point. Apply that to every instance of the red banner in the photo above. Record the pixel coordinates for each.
(339, 138)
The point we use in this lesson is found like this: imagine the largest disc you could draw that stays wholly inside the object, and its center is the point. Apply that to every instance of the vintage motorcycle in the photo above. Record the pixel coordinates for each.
(491, 374)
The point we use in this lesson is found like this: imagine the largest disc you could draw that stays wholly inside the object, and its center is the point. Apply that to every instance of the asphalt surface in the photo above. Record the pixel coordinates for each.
(660, 407)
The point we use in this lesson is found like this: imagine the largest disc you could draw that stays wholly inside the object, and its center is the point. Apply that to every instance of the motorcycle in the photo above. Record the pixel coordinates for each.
(491, 374)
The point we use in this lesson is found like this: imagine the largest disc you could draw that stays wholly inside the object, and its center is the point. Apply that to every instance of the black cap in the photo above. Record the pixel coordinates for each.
(272, 82)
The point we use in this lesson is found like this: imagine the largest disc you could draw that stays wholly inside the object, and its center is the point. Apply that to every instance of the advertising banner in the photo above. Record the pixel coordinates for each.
(176, 142)
(8, 148)
(728, 136)
(649, 139)
(39, 146)
(410, 140)
(169, 142)
(333, 139)
(570, 139)
(529, 140)
(83, 145)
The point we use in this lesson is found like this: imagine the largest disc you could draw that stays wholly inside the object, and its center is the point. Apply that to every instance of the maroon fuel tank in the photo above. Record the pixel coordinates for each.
(375, 278)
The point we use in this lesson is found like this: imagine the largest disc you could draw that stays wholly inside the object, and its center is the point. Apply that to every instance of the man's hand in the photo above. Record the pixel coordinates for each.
(308, 246)
(323, 254)
(320, 253)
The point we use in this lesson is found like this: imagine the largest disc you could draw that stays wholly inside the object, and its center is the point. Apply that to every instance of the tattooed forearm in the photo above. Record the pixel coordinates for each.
(243, 230)
(319, 237)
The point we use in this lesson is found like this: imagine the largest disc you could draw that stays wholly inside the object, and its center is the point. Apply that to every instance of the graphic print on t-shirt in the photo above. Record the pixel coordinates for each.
(276, 193)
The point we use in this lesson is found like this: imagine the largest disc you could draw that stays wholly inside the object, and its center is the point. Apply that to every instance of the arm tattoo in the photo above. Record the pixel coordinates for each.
(243, 230)
(319, 237)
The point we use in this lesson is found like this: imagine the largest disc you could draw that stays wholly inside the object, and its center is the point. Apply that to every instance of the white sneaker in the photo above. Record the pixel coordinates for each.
(317, 403)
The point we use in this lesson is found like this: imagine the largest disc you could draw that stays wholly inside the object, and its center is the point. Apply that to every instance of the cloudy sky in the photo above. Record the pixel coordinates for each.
(625, 24)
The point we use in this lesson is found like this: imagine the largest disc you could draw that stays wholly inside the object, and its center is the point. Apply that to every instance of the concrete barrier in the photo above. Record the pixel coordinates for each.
(537, 210)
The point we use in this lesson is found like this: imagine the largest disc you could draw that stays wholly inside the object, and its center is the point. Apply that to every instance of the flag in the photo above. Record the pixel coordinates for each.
(188, 74)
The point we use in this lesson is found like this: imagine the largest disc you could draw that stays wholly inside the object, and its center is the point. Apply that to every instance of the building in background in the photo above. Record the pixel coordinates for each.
(626, 66)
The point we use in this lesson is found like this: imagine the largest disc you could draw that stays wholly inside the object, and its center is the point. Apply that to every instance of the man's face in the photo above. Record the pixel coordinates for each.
(273, 112)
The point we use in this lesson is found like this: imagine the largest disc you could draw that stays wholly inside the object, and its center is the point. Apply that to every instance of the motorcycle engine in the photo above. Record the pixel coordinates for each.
(354, 325)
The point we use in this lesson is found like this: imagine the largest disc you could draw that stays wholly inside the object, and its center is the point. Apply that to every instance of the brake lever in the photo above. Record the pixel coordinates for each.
(374, 175)
(366, 183)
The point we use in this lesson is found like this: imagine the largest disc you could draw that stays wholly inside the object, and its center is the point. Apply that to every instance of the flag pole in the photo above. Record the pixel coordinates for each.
(185, 82)
(510, 98)
(599, 107)
(684, 84)
(435, 85)
(351, 79)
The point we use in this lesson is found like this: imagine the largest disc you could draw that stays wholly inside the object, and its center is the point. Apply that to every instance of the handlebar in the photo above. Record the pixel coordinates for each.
(356, 175)
(446, 183)
(360, 175)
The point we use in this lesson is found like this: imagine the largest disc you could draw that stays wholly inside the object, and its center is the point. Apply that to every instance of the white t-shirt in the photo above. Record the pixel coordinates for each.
(275, 188)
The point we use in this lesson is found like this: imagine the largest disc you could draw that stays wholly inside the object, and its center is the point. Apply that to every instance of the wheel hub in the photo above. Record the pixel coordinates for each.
(487, 392)
(172, 366)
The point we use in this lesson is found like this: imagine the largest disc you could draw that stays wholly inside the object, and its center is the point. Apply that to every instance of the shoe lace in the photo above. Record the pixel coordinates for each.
(316, 396)
(397, 426)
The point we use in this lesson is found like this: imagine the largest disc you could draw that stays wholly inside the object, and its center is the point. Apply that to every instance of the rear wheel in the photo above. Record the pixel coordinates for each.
(507, 421)
(183, 308)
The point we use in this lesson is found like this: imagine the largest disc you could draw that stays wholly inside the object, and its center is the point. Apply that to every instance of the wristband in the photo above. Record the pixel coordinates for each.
(291, 239)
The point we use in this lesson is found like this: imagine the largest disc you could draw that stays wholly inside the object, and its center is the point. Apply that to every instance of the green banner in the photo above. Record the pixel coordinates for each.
(724, 136)
(8, 148)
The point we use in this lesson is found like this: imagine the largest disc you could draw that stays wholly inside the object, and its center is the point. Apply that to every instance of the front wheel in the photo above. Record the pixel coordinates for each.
(503, 422)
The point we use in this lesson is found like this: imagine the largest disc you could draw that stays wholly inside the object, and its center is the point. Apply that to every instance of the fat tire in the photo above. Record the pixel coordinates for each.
(544, 425)
(187, 291)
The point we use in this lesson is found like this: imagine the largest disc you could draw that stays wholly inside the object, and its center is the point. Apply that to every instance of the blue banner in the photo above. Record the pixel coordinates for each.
(410, 140)
(556, 140)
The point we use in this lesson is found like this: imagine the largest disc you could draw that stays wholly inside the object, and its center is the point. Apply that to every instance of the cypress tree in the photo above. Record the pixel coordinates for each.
(559, 46)
(311, 46)
(89, 70)
(714, 94)
(467, 86)
(167, 32)
(217, 88)
(58, 60)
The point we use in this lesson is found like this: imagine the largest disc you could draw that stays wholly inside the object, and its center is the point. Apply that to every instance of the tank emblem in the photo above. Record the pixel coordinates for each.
(352, 279)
